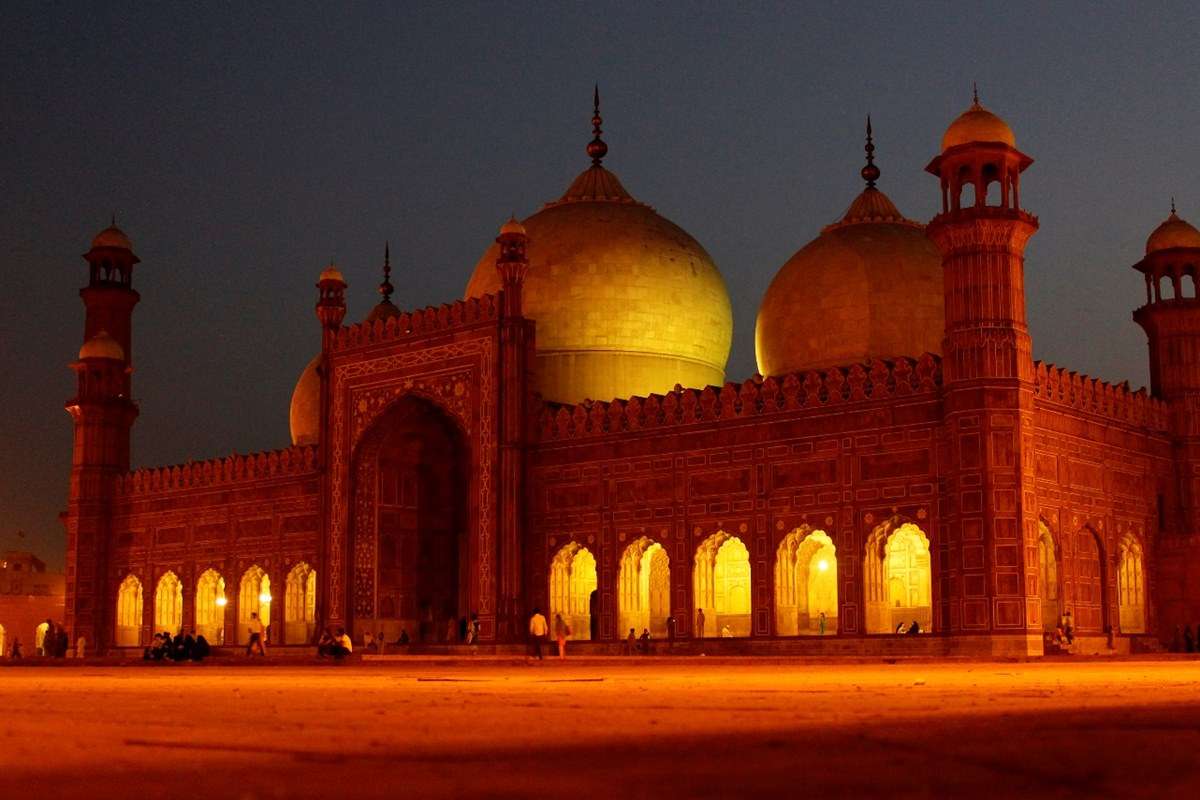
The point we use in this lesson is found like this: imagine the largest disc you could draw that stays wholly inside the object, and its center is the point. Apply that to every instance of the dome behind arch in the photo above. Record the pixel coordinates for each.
(304, 415)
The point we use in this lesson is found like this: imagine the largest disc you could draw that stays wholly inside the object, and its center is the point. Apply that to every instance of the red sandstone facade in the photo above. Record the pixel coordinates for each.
(442, 485)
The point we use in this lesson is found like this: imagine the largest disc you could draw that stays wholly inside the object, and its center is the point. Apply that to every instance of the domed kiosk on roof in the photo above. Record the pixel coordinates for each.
(625, 301)
(976, 125)
(870, 286)
(1173, 232)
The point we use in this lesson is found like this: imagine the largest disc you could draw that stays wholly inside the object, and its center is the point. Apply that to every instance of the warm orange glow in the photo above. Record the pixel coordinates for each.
(573, 585)
(806, 584)
(721, 586)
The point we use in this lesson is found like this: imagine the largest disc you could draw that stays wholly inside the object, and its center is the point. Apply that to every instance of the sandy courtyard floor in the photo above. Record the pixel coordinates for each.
(613, 730)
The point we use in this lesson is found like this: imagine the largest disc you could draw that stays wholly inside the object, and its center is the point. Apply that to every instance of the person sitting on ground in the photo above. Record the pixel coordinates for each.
(201, 649)
(914, 629)
(644, 642)
(342, 646)
(151, 652)
(325, 644)
(630, 642)
(403, 636)
(725, 632)
(901, 628)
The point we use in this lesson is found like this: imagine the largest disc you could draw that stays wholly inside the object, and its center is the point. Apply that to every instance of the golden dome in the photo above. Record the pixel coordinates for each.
(1173, 232)
(626, 302)
(331, 273)
(512, 226)
(977, 124)
(304, 417)
(112, 236)
(102, 346)
(870, 286)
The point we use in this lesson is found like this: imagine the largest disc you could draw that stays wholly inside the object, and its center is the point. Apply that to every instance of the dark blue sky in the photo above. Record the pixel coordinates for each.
(242, 148)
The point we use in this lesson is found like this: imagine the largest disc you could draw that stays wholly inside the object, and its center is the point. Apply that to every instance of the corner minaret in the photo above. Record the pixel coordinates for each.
(1171, 319)
(988, 519)
(103, 414)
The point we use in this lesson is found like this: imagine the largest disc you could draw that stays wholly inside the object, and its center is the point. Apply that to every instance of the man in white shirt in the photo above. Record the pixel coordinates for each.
(537, 632)
(258, 636)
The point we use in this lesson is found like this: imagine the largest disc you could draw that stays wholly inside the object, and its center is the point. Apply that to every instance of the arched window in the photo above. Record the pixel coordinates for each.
(168, 605)
(1166, 289)
(1187, 286)
(1131, 586)
(806, 584)
(210, 607)
(644, 589)
(721, 586)
(1048, 579)
(300, 604)
(254, 597)
(129, 612)
(898, 579)
(573, 590)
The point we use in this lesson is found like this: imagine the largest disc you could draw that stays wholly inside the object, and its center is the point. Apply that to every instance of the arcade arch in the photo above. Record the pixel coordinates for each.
(1048, 579)
(129, 612)
(805, 583)
(898, 580)
(300, 604)
(573, 590)
(1131, 585)
(721, 586)
(39, 638)
(168, 604)
(1083, 564)
(254, 597)
(210, 607)
(644, 589)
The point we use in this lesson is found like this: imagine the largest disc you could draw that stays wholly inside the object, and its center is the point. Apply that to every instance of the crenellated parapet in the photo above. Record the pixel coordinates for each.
(1116, 401)
(220, 471)
(872, 381)
(407, 324)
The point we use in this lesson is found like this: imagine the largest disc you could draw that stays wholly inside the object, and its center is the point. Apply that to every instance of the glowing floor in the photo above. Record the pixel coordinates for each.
(622, 730)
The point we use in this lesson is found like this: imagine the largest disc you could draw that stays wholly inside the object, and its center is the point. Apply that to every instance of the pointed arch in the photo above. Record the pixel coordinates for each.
(254, 597)
(573, 589)
(129, 612)
(898, 577)
(805, 583)
(1049, 578)
(644, 588)
(1131, 585)
(168, 604)
(1084, 572)
(300, 604)
(721, 585)
(210, 607)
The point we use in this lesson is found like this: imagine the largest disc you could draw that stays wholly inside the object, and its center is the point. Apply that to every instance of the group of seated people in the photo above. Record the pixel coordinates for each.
(912, 629)
(179, 647)
(334, 645)
(1061, 639)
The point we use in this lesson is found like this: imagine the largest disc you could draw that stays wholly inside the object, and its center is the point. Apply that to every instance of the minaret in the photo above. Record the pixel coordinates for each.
(103, 413)
(1171, 319)
(988, 527)
(331, 311)
(516, 347)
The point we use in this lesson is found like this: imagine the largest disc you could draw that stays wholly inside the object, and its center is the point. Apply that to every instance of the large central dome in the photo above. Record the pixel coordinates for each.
(625, 301)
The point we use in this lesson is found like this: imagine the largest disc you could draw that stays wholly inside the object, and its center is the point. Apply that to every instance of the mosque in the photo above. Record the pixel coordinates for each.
(564, 437)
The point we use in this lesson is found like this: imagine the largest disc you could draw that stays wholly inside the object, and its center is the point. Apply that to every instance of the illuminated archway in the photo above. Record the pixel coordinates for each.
(300, 604)
(168, 604)
(253, 598)
(644, 588)
(3, 642)
(129, 612)
(573, 585)
(805, 583)
(210, 607)
(1048, 579)
(897, 578)
(1131, 586)
(721, 585)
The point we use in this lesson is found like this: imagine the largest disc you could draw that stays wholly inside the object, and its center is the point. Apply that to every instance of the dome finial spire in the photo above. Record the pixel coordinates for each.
(1172, 204)
(386, 287)
(870, 173)
(596, 148)
(975, 92)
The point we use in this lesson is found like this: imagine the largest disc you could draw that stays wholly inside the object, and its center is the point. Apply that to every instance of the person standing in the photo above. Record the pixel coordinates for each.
(670, 631)
(821, 622)
(561, 632)
(258, 636)
(537, 632)
(699, 623)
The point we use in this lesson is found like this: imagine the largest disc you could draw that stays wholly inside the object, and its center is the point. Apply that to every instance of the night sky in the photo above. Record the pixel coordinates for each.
(241, 149)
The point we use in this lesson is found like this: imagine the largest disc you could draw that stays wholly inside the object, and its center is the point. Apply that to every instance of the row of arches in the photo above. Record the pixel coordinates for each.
(898, 582)
(1071, 578)
(1172, 286)
(254, 597)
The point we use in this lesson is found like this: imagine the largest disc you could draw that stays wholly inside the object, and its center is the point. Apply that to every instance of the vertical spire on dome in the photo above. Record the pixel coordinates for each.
(386, 288)
(974, 93)
(1172, 205)
(596, 148)
(870, 173)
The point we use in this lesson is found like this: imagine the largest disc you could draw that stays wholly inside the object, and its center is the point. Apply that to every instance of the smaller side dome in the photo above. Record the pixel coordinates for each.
(977, 124)
(1173, 232)
(512, 226)
(112, 236)
(331, 273)
(304, 417)
(102, 346)
(384, 309)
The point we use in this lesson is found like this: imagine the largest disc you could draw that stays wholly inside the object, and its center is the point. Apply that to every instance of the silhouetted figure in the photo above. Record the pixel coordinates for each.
(62, 642)
(630, 642)
(671, 625)
(325, 644)
(15, 652)
(821, 623)
(258, 636)
(403, 636)
(914, 629)
(1189, 643)
(342, 646)
(463, 629)
(1069, 631)
(561, 632)
(201, 649)
(537, 632)
(380, 644)
(699, 623)
(644, 642)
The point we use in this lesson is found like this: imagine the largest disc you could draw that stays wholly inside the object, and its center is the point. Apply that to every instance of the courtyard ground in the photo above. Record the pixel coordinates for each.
(605, 728)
